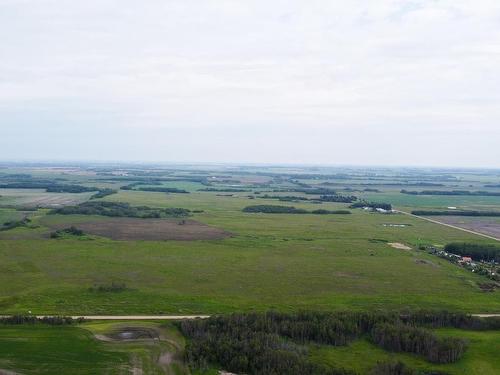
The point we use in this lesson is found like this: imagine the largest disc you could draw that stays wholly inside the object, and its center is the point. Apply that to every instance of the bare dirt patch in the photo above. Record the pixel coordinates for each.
(489, 226)
(130, 229)
(398, 245)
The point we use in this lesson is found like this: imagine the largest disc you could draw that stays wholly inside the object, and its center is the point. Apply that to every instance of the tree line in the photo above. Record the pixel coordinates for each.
(410, 339)
(275, 209)
(276, 343)
(485, 252)
(455, 213)
(159, 188)
(120, 209)
(225, 190)
(323, 198)
(452, 192)
(50, 187)
(31, 319)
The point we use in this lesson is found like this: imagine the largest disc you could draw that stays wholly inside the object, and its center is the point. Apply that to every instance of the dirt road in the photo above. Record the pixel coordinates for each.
(449, 225)
(174, 317)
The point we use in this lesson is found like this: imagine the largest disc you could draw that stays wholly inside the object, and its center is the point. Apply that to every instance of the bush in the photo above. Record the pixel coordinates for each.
(113, 288)
(73, 231)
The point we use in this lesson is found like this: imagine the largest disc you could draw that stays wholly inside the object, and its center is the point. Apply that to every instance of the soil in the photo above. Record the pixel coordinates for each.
(130, 229)
(399, 246)
(481, 225)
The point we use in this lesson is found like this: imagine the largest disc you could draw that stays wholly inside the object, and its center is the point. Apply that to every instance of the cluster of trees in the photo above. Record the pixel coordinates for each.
(276, 343)
(338, 198)
(410, 339)
(72, 231)
(455, 213)
(30, 319)
(225, 190)
(15, 224)
(119, 209)
(103, 193)
(372, 205)
(452, 192)
(274, 209)
(55, 187)
(159, 189)
(330, 212)
(163, 190)
(316, 191)
(484, 252)
(399, 368)
(284, 198)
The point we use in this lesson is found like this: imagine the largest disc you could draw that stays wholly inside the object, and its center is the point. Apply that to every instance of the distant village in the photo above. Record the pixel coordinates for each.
(485, 268)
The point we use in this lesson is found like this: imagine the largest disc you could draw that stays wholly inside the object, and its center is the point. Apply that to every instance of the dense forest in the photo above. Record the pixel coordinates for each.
(119, 209)
(273, 209)
(477, 252)
(276, 343)
(456, 213)
(452, 192)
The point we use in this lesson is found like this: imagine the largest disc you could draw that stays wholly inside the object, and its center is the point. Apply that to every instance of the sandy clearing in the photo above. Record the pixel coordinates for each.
(398, 245)
(8, 372)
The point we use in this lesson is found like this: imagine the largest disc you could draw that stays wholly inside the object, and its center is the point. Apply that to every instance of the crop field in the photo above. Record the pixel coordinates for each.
(30, 198)
(218, 259)
(133, 229)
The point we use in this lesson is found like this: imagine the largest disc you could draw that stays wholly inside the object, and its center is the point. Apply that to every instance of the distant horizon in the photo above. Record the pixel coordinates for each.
(391, 83)
(145, 163)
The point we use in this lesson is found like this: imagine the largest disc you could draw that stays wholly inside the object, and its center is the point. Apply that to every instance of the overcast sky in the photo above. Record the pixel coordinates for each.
(382, 82)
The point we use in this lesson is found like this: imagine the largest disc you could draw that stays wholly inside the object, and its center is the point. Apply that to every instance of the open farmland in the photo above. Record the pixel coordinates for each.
(213, 257)
(486, 225)
(32, 198)
(130, 229)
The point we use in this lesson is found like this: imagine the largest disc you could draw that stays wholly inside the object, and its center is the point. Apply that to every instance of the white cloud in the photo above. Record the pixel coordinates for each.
(313, 82)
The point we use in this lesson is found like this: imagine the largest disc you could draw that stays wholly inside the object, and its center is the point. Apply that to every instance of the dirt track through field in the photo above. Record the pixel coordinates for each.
(449, 225)
(176, 317)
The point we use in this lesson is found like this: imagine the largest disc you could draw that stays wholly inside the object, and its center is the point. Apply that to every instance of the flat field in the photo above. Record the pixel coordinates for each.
(223, 260)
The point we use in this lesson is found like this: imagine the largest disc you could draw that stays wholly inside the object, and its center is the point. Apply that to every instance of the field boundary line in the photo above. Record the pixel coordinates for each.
(449, 225)
(170, 317)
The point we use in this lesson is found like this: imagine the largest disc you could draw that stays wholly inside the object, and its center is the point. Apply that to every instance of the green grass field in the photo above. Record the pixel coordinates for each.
(272, 261)
(481, 357)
